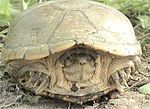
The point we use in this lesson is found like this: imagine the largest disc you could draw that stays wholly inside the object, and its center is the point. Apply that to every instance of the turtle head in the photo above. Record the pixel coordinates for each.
(79, 64)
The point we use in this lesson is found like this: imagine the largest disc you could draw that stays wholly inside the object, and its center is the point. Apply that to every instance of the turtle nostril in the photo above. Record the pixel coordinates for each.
(82, 62)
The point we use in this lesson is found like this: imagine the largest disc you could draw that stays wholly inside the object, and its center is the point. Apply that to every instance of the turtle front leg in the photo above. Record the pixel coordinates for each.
(124, 68)
(61, 81)
(34, 79)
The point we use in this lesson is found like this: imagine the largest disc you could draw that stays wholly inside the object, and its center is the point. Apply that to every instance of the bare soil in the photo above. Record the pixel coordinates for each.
(12, 96)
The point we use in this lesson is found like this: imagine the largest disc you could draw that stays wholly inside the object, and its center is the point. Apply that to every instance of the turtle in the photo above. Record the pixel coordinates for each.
(74, 50)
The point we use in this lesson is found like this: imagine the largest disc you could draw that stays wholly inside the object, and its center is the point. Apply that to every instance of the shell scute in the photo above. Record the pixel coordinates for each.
(55, 26)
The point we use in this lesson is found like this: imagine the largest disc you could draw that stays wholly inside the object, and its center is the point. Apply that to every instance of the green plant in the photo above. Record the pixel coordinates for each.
(10, 8)
(7, 12)
(28, 3)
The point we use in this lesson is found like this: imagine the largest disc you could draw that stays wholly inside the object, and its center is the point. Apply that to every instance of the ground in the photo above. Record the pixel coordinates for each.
(12, 96)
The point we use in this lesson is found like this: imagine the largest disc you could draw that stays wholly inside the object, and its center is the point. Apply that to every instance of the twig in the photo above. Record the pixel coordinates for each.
(7, 105)
(143, 74)
(144, 36)
(135, 27)
(139, 32)
(69, 105)
(137, 83)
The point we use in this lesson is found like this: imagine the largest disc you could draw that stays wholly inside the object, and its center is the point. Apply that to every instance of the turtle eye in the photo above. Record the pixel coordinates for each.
(69, 58)
(68, 61)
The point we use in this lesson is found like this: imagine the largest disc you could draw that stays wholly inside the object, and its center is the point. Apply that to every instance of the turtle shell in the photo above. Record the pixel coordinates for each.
(55, 26)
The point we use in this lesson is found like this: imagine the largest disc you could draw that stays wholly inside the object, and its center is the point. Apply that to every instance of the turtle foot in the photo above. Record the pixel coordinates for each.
(121, 77)
(34, 81)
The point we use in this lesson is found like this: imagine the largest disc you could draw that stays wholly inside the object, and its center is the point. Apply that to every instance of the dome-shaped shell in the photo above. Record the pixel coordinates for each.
(55, 26)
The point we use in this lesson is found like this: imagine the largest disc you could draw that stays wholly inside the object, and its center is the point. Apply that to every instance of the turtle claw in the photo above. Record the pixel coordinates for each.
(117, 84)
(136, 61)
(119, 87)
(42, 86)
(124, 78)
(36, 81)
(128, 72)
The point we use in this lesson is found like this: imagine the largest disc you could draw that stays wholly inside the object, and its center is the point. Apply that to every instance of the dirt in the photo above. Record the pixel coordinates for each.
(12, 96)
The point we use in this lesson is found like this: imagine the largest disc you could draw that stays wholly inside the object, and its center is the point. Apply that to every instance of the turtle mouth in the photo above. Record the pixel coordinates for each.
(80, 75)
